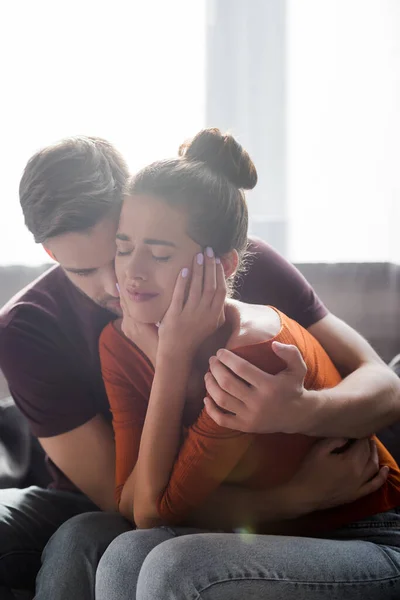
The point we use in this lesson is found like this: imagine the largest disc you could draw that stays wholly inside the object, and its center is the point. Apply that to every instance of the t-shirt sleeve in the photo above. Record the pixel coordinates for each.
(46, 386)
(270, 279)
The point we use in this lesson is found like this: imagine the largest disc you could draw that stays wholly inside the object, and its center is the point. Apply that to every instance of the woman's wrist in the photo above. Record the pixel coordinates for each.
(175, 355)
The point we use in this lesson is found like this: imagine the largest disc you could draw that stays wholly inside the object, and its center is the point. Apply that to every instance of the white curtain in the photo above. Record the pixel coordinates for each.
(344, 130)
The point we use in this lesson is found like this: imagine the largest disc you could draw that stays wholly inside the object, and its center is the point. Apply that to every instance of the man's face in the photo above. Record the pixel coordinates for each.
(88, 261)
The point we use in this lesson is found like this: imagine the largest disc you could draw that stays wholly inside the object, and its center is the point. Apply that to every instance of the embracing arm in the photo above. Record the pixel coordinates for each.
(86, 456)
(56, 399)
(353, 474)
(368, 398)
(365, 401)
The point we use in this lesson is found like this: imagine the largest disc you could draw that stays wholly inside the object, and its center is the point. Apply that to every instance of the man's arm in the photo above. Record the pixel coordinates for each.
(367, 400)
(58, 401)
(86, 456)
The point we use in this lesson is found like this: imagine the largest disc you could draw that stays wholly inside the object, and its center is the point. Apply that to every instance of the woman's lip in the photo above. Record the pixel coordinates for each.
(140, 296)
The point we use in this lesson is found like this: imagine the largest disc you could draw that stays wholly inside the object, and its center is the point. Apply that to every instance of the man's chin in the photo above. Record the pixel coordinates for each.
(113, 306)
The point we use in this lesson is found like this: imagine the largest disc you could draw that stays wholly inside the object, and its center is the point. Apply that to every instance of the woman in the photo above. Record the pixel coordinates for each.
(170, 455)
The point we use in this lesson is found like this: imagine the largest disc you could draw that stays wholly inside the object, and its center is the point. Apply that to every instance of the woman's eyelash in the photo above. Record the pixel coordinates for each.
(157, 258)
(161, 258)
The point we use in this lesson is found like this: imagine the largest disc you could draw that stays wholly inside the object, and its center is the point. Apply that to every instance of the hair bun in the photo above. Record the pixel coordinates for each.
(223, 155)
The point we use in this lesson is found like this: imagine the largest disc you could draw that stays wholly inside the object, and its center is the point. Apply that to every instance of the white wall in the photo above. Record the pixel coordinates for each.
(344, 130)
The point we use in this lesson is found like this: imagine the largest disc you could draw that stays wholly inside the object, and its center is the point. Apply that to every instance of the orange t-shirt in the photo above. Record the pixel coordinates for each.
(211, 454)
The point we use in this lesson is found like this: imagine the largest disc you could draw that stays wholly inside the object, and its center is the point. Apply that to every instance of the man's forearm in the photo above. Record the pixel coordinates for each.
(365, 402)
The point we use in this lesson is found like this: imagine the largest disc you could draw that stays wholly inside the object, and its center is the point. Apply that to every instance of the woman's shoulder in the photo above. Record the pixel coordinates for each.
(110, 333)
(252, 323)
(113, 344)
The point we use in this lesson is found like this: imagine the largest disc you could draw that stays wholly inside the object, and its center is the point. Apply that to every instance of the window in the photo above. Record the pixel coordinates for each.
(131, 72)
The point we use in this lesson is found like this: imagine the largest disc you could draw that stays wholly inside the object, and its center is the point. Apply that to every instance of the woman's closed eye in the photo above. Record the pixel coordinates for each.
(161, 258)
(126, 253)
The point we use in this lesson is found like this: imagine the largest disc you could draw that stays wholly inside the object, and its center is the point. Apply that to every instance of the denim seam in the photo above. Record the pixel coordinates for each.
(384, 549)
(372, 525)
(318, 584)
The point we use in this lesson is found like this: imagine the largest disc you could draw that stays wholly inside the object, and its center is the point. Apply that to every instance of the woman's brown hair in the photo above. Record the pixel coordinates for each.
(208, 180)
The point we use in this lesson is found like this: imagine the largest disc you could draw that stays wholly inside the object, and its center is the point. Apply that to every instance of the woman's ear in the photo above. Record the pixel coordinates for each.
(230, 262)
(49, 252)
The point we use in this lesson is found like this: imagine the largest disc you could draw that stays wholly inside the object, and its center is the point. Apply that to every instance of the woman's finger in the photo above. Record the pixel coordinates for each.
(196, 284)
(209, 282)
(220, 286)
(178, 296)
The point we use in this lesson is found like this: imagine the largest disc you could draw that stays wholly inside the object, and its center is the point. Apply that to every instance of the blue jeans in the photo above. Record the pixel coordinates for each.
(360, 561)
(28, 519)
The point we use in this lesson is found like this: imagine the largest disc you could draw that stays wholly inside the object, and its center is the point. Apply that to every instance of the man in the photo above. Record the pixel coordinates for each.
(71, 195)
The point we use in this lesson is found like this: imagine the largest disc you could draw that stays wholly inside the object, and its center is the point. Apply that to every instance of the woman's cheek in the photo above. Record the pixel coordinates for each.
(120, 272)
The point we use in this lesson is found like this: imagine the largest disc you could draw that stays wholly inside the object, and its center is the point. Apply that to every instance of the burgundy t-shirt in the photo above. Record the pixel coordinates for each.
(49, 341)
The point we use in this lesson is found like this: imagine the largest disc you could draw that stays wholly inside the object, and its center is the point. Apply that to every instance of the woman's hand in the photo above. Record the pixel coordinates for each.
(327, 478)
(197, 306)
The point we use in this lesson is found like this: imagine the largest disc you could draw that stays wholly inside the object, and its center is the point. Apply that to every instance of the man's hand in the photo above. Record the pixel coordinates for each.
(366, 401)
(257, 402)
(327, 478)
(324, 479)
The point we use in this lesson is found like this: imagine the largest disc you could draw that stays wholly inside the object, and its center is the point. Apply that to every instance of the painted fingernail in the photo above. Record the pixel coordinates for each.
(185, 272)
(117, 286)
(209, 252)
(218, 261)
(200, 258)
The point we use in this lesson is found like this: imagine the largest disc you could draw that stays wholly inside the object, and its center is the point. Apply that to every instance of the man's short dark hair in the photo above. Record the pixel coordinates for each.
(71, 186)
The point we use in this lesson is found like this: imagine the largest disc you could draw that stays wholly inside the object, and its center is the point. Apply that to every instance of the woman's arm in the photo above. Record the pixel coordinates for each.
(128, 406)
(206, 458)
(187, 323)
(160, 437)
